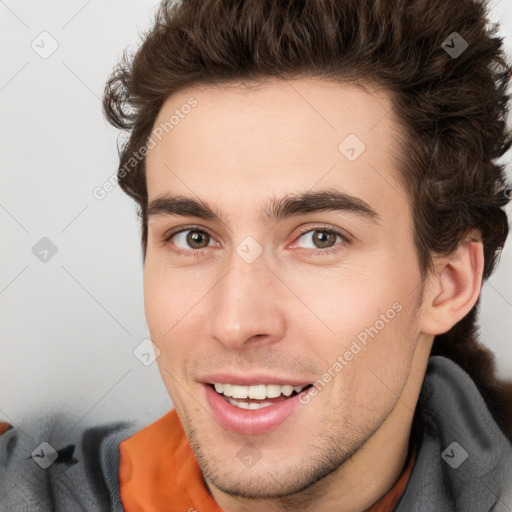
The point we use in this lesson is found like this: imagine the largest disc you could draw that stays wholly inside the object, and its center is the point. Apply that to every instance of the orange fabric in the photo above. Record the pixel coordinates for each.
(4, 427)
(390, 500)
(158, 472)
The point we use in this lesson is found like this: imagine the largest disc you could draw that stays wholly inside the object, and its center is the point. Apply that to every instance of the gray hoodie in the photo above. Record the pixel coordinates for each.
(464, 462)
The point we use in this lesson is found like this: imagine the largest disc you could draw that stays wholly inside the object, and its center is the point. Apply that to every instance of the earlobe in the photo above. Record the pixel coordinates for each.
(453, 289)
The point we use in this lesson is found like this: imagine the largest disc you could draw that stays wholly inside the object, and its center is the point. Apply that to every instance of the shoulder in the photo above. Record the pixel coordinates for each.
(464, 460)
(51, 464)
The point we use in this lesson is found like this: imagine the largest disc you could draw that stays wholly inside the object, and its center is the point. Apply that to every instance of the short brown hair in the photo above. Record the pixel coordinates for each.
(452, 109)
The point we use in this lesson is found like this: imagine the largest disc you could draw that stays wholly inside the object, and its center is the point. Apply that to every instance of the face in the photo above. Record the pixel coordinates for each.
(268, 288)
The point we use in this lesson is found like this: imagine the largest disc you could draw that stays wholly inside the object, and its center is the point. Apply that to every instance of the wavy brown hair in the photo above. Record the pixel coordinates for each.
(452, 110)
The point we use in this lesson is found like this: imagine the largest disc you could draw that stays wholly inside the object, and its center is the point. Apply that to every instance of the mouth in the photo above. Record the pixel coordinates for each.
(256, 396)
(254, 409)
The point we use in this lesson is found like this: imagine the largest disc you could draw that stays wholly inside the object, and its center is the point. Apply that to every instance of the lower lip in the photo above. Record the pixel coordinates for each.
(250, 421)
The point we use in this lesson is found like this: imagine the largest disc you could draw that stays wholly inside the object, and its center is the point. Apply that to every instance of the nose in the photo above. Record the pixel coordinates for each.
(249, 306)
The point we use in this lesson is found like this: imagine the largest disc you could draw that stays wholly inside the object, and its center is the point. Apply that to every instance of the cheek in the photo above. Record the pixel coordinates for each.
(379, 371)
(369, 326)
(171, 302)
(165, 298)
(347, 300)
(154, 303)
(160, 305)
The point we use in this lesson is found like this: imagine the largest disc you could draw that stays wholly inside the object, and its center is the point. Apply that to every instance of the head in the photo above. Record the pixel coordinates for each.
(319, 201)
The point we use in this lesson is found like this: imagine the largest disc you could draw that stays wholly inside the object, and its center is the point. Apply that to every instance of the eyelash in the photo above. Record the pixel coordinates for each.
(197, 253)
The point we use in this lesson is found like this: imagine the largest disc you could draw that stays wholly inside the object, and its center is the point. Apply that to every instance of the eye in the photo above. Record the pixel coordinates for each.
(188, 238)
(323, 239)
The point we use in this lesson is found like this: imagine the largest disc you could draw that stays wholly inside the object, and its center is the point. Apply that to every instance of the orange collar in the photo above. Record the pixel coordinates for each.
(158, 470)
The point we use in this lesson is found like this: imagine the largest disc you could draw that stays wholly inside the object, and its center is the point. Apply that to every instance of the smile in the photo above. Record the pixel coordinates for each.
(254, 409)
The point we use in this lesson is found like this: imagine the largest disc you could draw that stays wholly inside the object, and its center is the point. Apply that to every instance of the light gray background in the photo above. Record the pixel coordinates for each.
(69, 326)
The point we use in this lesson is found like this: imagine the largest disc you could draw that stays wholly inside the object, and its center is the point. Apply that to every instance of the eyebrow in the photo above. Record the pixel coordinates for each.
(276, 209)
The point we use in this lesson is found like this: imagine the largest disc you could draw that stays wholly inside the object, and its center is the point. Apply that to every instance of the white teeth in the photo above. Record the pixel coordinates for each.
(287, 390)
(239, 391)
(245, 405)
(273, 390)
(257, 392)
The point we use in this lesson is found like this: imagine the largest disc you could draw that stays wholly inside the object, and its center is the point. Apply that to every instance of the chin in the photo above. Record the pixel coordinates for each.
(263, 481)
(259, 486)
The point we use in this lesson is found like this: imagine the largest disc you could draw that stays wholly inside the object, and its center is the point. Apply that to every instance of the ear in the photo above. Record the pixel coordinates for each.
(453, 288)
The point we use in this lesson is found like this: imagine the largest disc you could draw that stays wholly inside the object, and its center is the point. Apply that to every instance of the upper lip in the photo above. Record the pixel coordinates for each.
(250, 380)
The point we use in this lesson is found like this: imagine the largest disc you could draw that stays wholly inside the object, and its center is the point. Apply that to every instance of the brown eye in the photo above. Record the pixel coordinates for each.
(188, 239)
(321, 238)
(196, 239)
(324, 239)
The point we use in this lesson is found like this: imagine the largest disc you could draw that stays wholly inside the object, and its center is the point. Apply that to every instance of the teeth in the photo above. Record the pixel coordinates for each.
(245, 405)
(273, 390)
(258, 392)
(287, 390)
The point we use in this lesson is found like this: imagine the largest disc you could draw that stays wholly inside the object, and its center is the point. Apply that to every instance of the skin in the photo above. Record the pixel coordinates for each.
(290, 313)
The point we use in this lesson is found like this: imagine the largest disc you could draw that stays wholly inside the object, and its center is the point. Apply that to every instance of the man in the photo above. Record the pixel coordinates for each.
(319, 205)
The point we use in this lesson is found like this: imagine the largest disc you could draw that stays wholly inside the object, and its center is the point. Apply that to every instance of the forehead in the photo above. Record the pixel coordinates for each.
(236, 145)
